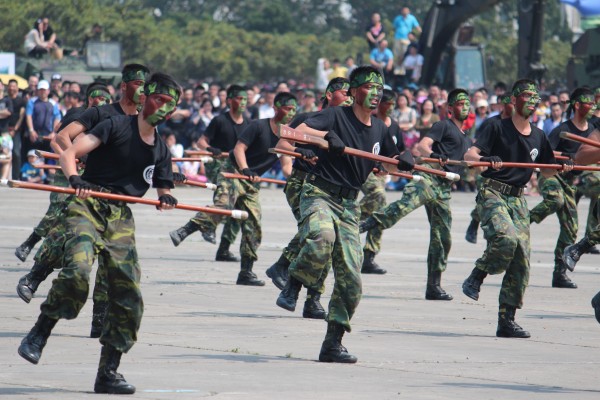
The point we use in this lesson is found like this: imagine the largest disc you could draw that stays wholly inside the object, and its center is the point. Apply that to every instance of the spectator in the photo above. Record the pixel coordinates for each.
(481, 112)
(563, 98)
(427, 119)
(406, 117)
(29, 173)
(180, 122)
(554, 120)
(35, 45)
(54, 44)
(94, 34)
(381, 57)
(56, 85)
(350, 65)
(42, 118)
(213, 95)
(197, 101)
(175, 148)
(252, 107)
(6, 149)
(495, 106)
(266, 109)
(75, 87)
(375, 33)
(338, 71)
(223, 108)
(205, 114)
(15, 125)
(282, 87)
(323, 71)
(412, 64)
(499, 89)
(404, 24)
(308, 103)
(32, 83)
(6, 110)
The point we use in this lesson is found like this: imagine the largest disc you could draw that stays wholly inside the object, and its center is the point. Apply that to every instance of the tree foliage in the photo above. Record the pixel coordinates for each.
(267, 40)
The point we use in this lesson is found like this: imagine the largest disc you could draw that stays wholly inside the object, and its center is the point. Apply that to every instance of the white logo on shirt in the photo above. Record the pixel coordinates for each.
(534, 153)
(376, 148)
(395, 139)
(148, 173)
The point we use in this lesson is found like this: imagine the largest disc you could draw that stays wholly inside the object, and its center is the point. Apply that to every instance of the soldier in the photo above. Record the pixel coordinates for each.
(96, 225)
(251, 157)
(220, 136)
(329, 210)
(507, 111)
(336, 94)
(502, 206)
(374, 188)
(444, 141)
(559, 191)
(132, 85)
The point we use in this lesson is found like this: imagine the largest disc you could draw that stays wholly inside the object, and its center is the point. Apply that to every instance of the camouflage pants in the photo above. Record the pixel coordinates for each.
(329, 236)
(478, 182)
(559, 198)
(55, 209)
(590, 187)
(50, 254)
(236, 194)
(292, 190)
(94, 227)
(505, 224)
(232, 225)
(373, 200)
(434, 193)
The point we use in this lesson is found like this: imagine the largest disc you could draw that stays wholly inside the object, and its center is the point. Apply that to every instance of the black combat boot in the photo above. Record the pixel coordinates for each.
(434, 290)
(560, 279)
(32, 345)
(28, 284)
(367, 225)
(246, 276)
(471, 235)
(108, 380)
(289, 295)
(332, 349)
(25, 248)
(472, 284)
(312, 307)
(223, 253)
(596, 305)
(507, 327)
(278, 272)
(179, 234)
(573, 253)
(98, 315)
(369, 265)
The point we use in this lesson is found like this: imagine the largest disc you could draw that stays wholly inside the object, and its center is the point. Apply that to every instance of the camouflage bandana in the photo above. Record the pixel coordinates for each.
(236, 93)
(99, 93)
(505, 99)
(528, 87)
(288, 102)
(597, 91)
(338, 86)
(157, 88)
(459, 97)
(135, 75)
(371, 77)
(584, 98)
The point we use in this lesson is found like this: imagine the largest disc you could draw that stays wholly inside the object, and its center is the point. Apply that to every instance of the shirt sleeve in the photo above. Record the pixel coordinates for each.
(437, 131)
(29, 107)
(388, 147)
(89, 118)
(103, 130)
(322, 121)
(56, 112)
(486, 139)
(248, 135)
(212, 129)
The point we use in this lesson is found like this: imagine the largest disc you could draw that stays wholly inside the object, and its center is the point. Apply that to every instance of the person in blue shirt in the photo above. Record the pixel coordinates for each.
(382, 58)
(404, 25)
(29, 173)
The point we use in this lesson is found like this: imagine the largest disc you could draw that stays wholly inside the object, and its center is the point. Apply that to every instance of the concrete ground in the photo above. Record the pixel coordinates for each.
(203, 336)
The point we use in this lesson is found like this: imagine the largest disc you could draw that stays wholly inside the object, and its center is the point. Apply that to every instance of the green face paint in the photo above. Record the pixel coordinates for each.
(526, 102)
(157, 107)
(374, 92)
(288, 117)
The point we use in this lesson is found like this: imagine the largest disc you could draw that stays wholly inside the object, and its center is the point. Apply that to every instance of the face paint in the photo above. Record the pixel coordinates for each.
(369, 95)
(239, 102)
(461, 108)
(387, 107)
(340, 98)
(371, 77)
(526, 102)
(158, 107)
(134, 91)
(98, 98)
(285, 111)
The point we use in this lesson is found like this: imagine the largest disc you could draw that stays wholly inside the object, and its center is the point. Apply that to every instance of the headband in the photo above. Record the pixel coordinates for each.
(338, 86)
(505, 99)
(99, 93)
(583, 98)
(459, 97)
(289, 102)
(525, 87)
(236, 93)
(370, 77)
(135, 75)
(159, 88)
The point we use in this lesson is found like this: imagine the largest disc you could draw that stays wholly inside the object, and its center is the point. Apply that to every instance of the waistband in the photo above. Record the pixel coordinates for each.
(331, 188)
(298, 173)
(504, 188)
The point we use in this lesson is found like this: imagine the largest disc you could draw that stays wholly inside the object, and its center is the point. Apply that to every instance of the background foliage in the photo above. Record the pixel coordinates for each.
(264, 40)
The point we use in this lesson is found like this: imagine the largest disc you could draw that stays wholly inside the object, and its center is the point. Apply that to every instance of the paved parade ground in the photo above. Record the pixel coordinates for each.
(203, 336)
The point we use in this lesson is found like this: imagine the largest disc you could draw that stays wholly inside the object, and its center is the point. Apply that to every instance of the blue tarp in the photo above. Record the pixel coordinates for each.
(587, 8)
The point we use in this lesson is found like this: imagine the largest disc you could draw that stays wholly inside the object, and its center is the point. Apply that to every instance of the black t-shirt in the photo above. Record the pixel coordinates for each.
(17, 104)
(72, 115)
(491, 120)
(223, 132)
(5, 104)
(595, 121)
(505, 141)
(396, 134)
(564, 145)
(299, 163)
(123, 162)
(449, 140)
(259, 138)
(345, 170)
(93, 115)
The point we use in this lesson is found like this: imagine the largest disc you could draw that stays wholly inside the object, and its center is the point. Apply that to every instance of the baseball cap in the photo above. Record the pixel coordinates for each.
(56, 77)
(309, 93)
(31, 153)
(43, 84)
(482, 103)
(493, 99)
